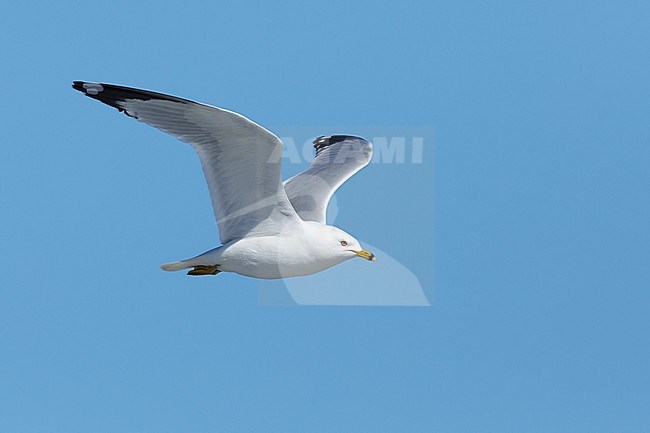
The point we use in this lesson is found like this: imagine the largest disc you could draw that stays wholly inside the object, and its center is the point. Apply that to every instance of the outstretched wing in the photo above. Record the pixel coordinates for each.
(338, 157)
(240, 159)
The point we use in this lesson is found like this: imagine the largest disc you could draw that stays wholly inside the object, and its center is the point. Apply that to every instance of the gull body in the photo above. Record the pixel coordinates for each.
(268, 228)
(310, 248)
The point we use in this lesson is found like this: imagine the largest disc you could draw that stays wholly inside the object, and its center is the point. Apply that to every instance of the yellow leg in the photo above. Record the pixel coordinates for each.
(204, 270)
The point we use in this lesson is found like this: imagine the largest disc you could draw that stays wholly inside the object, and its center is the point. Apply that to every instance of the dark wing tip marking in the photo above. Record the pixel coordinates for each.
(324, 141)
(112, 95)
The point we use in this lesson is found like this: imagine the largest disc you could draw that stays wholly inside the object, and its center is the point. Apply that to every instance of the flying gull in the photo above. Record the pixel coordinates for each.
(268, 228)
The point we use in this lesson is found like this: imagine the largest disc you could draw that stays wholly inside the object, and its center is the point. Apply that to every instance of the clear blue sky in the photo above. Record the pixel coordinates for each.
(538, 256)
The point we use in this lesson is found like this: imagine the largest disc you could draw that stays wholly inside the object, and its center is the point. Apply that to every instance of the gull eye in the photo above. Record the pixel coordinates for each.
(344, 244)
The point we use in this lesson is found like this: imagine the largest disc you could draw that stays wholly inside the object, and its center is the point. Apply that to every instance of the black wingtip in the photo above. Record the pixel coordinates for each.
(88, 88)
(324, 141)
(116, 96)
(106, 93)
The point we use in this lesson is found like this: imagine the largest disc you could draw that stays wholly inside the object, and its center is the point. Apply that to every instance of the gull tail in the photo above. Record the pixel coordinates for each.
(203, 264)
(175, 266)
(196, 269)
